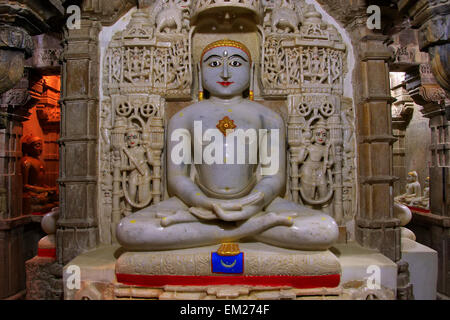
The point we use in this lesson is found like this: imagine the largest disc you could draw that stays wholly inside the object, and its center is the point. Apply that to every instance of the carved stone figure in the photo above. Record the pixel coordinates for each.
(37, 196)
(285, 17)
(315, 173)
(425, 200)
(137, 183)
(413, 190)
(215, 202)
(171, 17)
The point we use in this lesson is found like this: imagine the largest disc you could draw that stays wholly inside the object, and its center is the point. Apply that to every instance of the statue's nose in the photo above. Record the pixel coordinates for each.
(225, 73)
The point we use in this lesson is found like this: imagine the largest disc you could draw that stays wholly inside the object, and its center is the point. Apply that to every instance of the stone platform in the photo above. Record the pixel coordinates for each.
(111, 273)
(262, 265)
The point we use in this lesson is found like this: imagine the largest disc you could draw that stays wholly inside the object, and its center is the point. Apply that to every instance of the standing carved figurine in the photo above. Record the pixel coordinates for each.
(136, 185)
(315, 172)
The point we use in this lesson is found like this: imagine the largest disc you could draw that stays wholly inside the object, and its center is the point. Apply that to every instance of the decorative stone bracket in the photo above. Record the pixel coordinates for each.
(15, 46)
(431, 17)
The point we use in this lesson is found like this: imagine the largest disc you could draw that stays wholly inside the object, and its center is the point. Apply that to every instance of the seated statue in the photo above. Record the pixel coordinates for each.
(37, 196)
(425, 200)
(413, 191)
(221, 201)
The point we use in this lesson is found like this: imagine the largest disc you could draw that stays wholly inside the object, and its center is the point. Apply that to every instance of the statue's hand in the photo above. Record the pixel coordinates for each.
(251, 205)
(230, 210)
(238, 204)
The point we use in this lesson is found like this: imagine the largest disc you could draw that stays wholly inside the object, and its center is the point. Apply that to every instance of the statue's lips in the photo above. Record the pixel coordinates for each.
(224, 83)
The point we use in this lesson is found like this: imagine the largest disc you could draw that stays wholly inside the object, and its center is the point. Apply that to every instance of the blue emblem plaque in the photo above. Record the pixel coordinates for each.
(227, 264)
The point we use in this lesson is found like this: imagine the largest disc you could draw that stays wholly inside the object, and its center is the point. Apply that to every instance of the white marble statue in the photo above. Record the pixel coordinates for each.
(413, 190)
(425, 200)
(215, 202)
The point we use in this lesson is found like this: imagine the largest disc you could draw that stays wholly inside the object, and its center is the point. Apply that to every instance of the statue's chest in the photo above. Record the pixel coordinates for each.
(223, 121)
(316, 153)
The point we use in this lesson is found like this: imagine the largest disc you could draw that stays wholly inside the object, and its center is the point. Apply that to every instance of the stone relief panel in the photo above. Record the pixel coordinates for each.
(304, 59)
(301, 53)
(152, 54)
(132, 139)
(145, 64)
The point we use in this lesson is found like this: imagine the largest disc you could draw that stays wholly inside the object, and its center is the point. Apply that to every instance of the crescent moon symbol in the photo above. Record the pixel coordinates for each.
(228, 265)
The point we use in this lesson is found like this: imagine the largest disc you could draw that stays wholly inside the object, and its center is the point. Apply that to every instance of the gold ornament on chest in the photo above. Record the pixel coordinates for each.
(225, 124)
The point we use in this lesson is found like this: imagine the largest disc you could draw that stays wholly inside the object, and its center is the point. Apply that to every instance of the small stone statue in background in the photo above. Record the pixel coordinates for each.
(37, 196)
(413, 190)
(425, 199)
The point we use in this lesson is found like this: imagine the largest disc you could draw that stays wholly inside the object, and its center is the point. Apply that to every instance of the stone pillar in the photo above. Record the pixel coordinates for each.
(375, 225)
(77, 226)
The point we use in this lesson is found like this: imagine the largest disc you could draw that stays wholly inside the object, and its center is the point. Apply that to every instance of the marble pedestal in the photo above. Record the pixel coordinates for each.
(263, 265)
(100, 270)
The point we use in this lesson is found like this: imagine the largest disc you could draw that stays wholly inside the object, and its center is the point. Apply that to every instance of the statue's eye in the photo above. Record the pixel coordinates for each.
(214, 63)
(235, 63)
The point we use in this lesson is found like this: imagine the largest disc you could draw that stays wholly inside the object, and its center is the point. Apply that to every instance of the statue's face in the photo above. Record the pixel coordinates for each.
(37, 148)
(132, 139)
(225, 72)
(320, 136)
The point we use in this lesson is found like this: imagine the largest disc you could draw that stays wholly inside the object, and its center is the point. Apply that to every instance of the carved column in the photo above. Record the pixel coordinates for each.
(79, 173)
(375, 226)
(432, 18)
(77, 225)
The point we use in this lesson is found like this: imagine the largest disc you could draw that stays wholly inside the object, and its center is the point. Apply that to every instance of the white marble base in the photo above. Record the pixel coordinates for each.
(356, 260)
(423, 268)
(98, 280)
